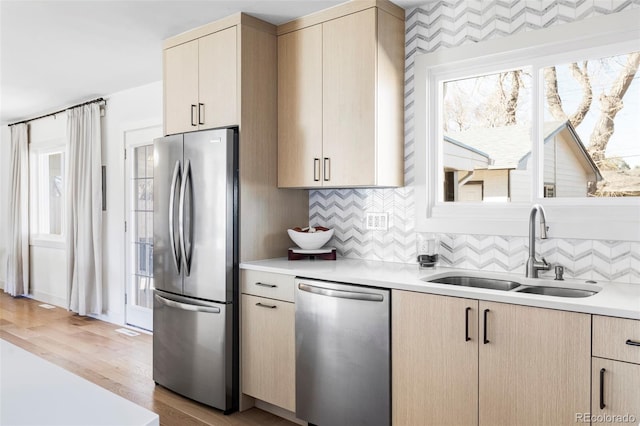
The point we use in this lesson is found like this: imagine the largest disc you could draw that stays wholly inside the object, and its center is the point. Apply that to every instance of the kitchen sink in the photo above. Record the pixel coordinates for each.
(557, 291)
(489, 283)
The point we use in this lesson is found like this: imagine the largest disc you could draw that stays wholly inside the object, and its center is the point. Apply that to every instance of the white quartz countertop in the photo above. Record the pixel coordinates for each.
(36, 392)
(615, 299)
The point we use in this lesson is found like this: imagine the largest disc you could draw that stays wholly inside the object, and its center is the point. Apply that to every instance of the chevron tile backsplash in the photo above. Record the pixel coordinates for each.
(440, 25)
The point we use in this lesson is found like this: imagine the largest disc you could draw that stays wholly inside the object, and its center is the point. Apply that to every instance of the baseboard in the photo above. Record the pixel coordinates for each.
(51, 299)
(280, 412)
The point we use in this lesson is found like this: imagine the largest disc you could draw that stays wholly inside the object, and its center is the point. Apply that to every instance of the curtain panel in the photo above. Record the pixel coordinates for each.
(84, 210)
(17, 279)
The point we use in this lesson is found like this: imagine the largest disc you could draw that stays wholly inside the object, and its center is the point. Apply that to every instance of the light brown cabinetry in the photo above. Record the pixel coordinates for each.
(434, 341)
(522, 365)
(227, 69)
(200, 82)
(615, 370)
(534, 366)
(268, 338)
(340, 100)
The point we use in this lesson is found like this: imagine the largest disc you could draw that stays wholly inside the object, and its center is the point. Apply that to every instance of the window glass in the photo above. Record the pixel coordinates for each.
(486, 127)
(591, 111)
(56, 189)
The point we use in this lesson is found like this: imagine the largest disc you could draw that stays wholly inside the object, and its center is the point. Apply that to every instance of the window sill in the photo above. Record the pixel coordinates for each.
(48, 242)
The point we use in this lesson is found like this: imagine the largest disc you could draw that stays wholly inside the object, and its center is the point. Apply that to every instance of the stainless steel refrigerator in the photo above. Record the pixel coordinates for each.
(195, 266)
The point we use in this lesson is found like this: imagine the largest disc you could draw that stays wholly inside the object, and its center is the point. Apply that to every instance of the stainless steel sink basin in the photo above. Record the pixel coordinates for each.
(557, 291)
(489, 283)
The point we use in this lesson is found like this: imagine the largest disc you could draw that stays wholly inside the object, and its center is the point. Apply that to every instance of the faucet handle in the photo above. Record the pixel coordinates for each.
(545, 265)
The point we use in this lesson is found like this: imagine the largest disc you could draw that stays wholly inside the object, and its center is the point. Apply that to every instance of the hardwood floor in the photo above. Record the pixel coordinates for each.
(121, 364)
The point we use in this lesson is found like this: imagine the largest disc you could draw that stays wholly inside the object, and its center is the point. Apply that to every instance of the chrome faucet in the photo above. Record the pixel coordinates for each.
(534, 265)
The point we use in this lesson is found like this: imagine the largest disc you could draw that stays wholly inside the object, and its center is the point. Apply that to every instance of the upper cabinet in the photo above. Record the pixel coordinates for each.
(340, 97)
(223, 74)
(200, 83)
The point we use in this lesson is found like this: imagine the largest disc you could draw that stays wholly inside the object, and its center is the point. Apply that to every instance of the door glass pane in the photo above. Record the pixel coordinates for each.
(142, 229)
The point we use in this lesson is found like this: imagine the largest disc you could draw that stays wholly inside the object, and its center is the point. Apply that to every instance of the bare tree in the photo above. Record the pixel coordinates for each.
(610, 104)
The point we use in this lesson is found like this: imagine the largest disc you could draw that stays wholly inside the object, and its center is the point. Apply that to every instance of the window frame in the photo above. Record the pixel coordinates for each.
(588, 218)
(39, 152)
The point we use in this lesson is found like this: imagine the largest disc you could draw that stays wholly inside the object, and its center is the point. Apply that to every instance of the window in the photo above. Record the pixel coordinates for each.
(47, 190)
(545, 117)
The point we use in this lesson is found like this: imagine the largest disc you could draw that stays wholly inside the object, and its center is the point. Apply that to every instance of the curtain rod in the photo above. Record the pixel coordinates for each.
(60, 111)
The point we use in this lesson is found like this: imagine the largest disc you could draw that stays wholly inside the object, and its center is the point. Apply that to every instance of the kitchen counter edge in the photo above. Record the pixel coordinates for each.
(615, 299)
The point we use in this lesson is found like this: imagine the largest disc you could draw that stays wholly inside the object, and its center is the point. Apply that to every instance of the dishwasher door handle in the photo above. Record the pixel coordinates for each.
(369, 297)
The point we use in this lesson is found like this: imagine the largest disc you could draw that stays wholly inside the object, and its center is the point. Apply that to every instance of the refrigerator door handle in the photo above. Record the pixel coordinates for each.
(186, 183)
(369, 297)
(172, 199)
(187, 307)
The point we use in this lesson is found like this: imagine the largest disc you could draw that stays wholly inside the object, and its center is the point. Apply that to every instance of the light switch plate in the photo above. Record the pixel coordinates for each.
(377, 221)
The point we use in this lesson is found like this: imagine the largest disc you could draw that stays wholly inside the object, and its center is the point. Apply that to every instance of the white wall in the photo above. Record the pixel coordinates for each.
(131, 109)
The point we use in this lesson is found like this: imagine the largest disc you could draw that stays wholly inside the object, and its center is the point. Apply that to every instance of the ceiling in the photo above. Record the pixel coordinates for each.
(57, 53)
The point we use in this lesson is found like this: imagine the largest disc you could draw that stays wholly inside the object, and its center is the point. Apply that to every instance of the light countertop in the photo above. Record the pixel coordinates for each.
(36, 392)
(615, 299)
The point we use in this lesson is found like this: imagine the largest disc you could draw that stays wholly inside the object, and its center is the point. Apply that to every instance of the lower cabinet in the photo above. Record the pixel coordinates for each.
(615, 370)
(467, 362)
(268, 350)
(616, 392)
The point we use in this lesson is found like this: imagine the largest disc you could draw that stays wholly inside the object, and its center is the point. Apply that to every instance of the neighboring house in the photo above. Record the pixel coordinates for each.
(493, 164)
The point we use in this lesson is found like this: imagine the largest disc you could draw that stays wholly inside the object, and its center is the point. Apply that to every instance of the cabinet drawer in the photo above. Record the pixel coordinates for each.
(616, 338)
(267, 284)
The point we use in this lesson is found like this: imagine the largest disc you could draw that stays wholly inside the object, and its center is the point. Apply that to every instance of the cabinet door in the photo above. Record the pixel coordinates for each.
(218, 77)
(268, 350)
(181, 88)
(618, 388)
(435, 359)
(349, 92)
(300, 108)
(534, 365)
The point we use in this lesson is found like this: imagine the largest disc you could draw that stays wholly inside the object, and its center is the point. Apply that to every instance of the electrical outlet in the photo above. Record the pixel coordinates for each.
(377, 221)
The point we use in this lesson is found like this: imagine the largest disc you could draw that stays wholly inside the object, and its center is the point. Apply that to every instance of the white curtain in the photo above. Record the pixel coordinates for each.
(84, 210)
(17, 280)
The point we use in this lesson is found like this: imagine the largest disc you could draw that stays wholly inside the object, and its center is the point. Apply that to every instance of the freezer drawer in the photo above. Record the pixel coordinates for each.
(193, 349)
(343, 372)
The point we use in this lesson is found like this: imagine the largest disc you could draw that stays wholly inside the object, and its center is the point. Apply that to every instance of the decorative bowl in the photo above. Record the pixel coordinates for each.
(310, 240)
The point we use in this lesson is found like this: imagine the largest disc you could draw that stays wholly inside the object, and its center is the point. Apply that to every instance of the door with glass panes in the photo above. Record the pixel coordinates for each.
(139, 226)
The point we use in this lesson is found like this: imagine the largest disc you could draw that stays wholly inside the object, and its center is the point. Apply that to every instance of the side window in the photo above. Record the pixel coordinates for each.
(47, 190)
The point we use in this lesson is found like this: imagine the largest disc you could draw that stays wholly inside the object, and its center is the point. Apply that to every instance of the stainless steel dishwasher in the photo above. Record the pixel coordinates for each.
(343, 373)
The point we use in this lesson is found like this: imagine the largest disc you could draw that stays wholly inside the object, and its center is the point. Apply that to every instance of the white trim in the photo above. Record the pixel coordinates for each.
(134, 315)
(612, 219)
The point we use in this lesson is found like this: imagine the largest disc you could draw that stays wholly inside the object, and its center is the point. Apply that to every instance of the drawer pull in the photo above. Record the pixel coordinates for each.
(602, 404)
(262, 305)
(266, 285)
(632, 343)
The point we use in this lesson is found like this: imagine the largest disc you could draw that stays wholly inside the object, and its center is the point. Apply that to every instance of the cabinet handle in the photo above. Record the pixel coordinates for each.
(193, 108)
(266, 285)
(200, 113)
(316, 169)
(602, 404)
(327, 169)
(632, 343)
(262, 305)
(486, 311)
(466, 324)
